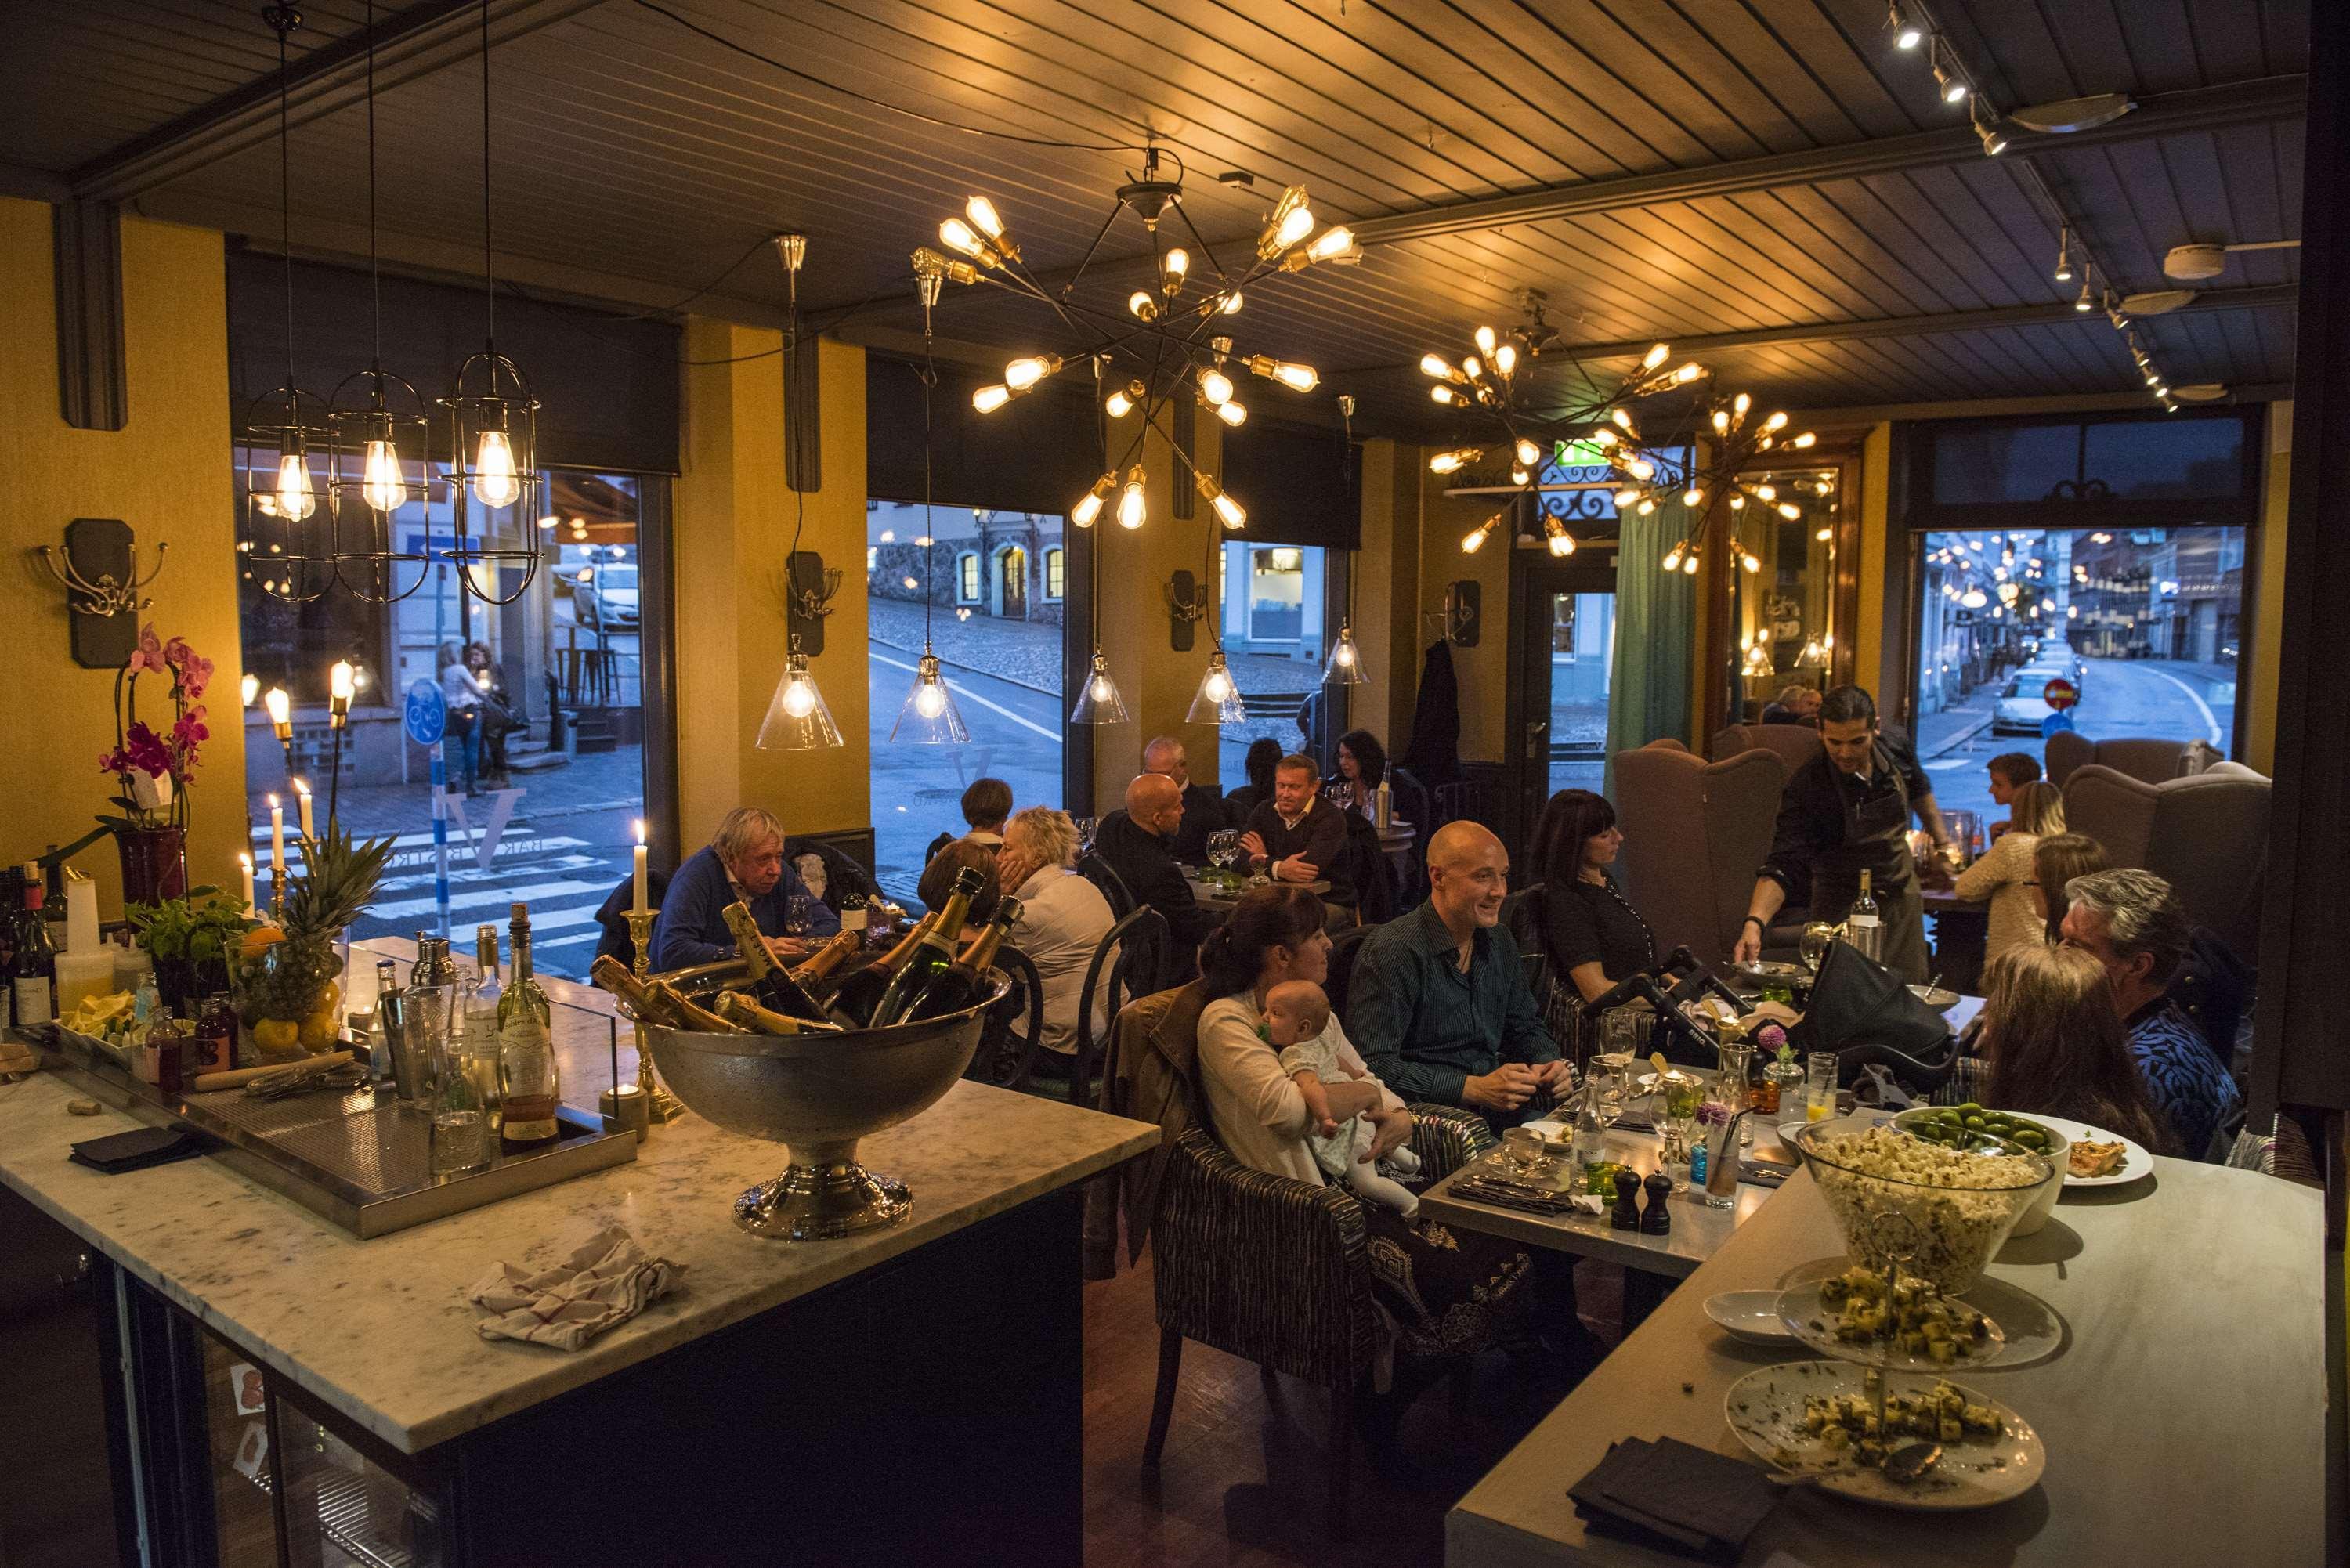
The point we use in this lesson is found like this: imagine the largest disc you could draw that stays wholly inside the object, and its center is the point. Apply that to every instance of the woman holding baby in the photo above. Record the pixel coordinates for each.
(1287, 1094)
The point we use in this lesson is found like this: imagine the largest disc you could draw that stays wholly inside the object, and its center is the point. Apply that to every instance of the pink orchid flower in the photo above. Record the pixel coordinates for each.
(148, 654)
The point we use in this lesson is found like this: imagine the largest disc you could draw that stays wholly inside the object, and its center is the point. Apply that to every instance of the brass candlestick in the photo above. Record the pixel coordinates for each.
(661, 1105)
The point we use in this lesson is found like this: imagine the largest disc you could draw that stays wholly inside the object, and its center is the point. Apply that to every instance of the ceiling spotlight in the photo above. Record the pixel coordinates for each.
(2064, 273)
(1907, 34)
(1953, 86)
(2084, 304)
(1994, 140)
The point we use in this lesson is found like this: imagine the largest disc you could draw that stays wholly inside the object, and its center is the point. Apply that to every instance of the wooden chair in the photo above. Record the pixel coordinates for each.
(1343, 951)
(1276, 1271)
(1006, 1056)
(1104, 875)
(1129, 961)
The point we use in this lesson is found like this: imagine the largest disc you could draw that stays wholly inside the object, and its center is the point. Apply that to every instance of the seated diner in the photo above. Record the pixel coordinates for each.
(742, 863)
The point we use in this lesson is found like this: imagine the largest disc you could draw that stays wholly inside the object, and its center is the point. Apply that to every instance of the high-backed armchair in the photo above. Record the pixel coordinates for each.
(1794, 744)
(2206, 834)
(2144, 758)
(1694, 833)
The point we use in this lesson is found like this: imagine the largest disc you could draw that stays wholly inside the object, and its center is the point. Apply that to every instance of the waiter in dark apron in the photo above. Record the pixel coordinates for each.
(1845, 812)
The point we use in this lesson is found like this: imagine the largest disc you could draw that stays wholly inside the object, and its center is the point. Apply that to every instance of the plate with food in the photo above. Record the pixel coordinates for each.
(1940, 998)
(1862, 1314)
(1814, 1418)
(1773, 971)
(1750, 1317)
(2095, 1157)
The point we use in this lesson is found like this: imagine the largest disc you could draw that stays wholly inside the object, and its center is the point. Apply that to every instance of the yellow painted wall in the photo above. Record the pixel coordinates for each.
(1387, 593)
(2259, 683)
(1484, 669)
(1868, 635)
(166, 474)
(1136, 565)
(733, 525)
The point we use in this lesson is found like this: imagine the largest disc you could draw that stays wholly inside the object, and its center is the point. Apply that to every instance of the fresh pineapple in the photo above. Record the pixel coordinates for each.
(286, 990)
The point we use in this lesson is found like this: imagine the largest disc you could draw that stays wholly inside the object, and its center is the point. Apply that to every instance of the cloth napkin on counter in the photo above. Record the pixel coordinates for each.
(607, 1281)
(1673, 1497)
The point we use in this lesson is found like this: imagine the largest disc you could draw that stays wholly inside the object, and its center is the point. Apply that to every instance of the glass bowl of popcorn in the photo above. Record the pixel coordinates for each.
(1940, 1213)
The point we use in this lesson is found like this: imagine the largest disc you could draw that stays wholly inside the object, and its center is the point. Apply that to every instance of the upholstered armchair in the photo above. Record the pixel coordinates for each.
(2147, 759)
(1694, 833)
(1793, 744)
(2206, 834)
(1276, 1271)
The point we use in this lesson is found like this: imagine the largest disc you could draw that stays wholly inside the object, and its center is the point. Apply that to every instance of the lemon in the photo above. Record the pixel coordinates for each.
(276, 1034)
(316, 1032)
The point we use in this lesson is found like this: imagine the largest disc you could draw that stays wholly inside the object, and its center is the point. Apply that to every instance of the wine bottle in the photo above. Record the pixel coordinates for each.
(773, 987)
(964, 981)
(739, 1009)
(478, 1040)
(853, 1000)
(34, 980)
(529, 1079)
(1861, 927)
(612, 975)
(672, 1007)
(817, 967)
(931, 960)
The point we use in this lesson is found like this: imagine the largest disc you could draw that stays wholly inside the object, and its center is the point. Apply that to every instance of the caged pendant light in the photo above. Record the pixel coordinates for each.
(284, 561)
(798, 718)
(379, 428)
(493, 433)
(929, 716)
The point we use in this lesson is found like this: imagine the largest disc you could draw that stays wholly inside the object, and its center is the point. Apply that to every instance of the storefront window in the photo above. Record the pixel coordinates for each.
(1273, 608)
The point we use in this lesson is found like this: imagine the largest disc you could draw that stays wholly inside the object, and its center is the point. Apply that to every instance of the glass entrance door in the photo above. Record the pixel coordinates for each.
(1565, 674)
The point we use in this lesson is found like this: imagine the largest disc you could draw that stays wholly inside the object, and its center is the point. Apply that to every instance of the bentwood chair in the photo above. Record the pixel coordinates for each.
(1276, 1271)
(1105, 876)
(1007, 1055)
(1130, 961)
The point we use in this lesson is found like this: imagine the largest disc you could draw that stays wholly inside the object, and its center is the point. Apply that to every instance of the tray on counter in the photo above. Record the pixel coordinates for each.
(355, 1158)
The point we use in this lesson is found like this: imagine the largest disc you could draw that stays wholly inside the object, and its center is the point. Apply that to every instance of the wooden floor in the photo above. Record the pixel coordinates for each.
(1241, 1481)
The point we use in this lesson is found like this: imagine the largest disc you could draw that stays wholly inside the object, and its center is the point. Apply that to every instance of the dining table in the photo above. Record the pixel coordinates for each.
(2177, 1376)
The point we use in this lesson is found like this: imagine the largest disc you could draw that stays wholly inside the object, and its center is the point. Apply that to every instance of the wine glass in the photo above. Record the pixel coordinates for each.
(1086, 825)
(1818, 937)
(1224, 848)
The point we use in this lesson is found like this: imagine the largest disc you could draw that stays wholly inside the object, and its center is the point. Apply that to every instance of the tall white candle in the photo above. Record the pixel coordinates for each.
(302, 798)
(244, 869)
(81, 915)
(276, 847)
(641, 906)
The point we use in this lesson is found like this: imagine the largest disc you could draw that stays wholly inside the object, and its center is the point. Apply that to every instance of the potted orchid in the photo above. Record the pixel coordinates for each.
(151, 768)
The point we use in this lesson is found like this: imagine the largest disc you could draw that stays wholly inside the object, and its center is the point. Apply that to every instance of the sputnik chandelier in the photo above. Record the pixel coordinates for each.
(1488, 386)
(1164, 344)
(1718, 493)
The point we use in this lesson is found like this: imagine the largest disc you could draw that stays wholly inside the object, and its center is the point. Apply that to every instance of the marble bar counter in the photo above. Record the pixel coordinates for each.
(375, 1336)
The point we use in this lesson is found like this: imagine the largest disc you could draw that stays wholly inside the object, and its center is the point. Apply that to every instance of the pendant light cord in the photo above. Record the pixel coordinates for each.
(282, 19)
(930, 548)
(489, 282)
(375, 258)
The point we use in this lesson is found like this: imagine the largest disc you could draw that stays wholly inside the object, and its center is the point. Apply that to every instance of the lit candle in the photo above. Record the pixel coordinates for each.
(276, 847)
(302, 798)
(244, 868)
(640, 907)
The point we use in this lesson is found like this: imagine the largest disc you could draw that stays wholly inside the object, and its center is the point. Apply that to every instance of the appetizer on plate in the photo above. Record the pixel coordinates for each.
(2088, 1159)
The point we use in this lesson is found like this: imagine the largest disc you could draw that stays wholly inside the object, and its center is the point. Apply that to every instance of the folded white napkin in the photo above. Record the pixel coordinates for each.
(1589, 1203)
(607, 1281)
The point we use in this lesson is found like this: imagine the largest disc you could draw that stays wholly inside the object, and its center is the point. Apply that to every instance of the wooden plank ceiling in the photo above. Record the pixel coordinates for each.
(629, 146)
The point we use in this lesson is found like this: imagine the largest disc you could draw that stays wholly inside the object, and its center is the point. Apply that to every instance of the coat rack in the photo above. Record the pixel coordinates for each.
(1461, 621)
(104, 592)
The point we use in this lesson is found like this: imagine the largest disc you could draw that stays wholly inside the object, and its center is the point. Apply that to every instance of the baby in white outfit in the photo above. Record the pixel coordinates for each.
(1297, 1024)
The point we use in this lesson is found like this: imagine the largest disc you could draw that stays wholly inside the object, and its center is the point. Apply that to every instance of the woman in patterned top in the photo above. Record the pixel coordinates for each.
(2057, 1049)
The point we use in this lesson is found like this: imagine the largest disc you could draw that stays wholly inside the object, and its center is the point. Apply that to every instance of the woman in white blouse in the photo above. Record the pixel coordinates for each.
(1063, 919)
(2003, 877)
(1446, 1290)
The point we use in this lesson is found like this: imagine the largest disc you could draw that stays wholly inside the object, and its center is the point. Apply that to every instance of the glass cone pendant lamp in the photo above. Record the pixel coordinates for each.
(1099, 702)
(798, 719)
(1218, 701)
(929, 717)
(1344, 667)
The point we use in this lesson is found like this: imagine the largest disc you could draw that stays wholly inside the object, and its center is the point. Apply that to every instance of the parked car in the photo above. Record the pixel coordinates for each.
(604, 597)
(2019, 709)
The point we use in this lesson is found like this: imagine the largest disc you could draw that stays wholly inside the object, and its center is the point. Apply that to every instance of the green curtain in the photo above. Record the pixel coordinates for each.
(1656, 625)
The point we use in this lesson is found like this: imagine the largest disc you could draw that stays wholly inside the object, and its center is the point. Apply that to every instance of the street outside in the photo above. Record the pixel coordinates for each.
(2171, 699)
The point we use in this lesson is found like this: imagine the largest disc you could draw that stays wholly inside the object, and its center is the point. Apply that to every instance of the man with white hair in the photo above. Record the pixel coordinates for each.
(1062, 918)
(1204, 808)
(2131, 923)
(742, 863)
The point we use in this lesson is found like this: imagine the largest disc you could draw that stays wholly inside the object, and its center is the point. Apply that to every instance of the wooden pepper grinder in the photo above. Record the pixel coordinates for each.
(1654, 1219)
(1627, 1214)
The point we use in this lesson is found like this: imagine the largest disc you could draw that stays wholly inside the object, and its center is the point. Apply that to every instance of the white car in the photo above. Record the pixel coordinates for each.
(2021, 709)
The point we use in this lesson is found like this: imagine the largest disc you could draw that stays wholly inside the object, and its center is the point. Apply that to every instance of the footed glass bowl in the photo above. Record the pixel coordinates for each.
(1941, 1214)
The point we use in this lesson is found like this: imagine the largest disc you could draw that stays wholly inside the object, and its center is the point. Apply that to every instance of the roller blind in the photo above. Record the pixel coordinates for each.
(607, 384)
(1038, 453)
(1299, 486)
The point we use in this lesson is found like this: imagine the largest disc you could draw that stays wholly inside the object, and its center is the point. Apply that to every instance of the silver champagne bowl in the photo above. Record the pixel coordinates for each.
(820, 1094)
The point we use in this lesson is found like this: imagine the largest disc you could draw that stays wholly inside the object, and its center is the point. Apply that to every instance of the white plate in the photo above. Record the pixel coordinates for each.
(1765, 1409)
(2136, 1161)
(1752, 1316)
(1800, 1306)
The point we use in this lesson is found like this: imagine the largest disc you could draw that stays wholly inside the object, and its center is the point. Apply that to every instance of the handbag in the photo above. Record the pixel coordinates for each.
(1865, 1014)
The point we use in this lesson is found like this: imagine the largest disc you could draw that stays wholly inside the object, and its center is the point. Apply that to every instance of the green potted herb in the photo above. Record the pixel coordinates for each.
(192, 941)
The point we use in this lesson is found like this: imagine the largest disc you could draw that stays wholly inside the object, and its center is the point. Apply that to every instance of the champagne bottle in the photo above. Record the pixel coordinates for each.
(672, 1006)
(931, 960)
(612, 975)
(773, 987)
(853, 1000)
(964, 981)
(529, 1080)
(739, 1009)
(817, 967)
(1861, 927)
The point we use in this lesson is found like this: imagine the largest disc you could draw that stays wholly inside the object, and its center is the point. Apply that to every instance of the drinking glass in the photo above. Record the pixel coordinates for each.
(418, 1042)
(1819, 1085)
(1678, 1094)
(1611, 1072)
(1818, 937)
(1086, 825)
(1735, 1060)
(459, 1137)
(1527, 1151)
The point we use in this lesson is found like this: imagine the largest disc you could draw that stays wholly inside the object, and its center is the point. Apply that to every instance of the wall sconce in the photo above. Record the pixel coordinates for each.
(1459, 622)
(809, 588)
(99, 567)
(1187, 605)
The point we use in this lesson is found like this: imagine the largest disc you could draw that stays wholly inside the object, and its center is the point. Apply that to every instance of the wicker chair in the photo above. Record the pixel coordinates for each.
(1276, 1271)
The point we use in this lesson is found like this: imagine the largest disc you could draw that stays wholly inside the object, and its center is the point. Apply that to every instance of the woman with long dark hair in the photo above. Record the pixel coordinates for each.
(1362, 764)
(1444, 1289)
(1593, 934)
(2056, 859)
(2057, 1047)
(1263, 757)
